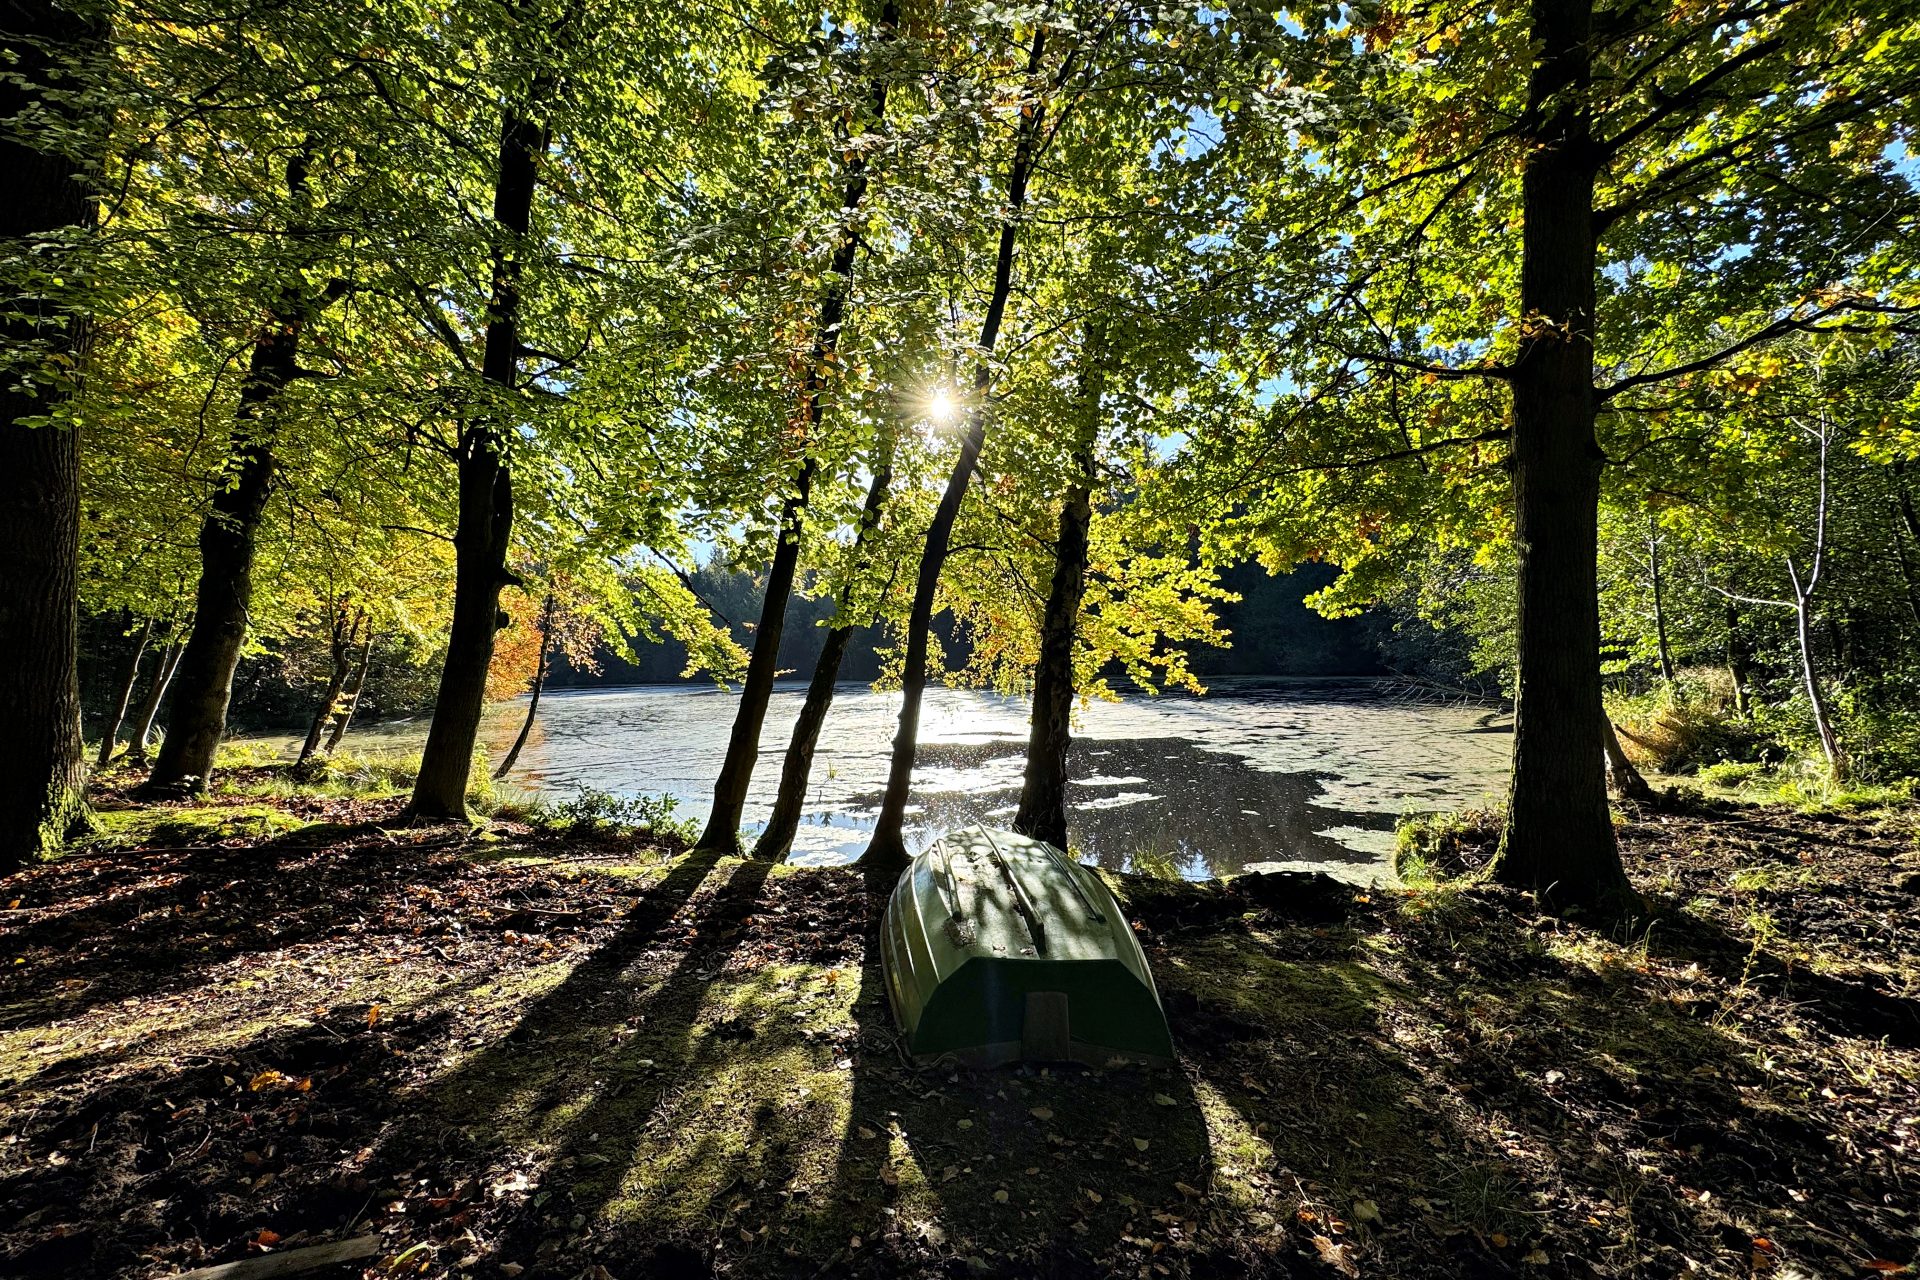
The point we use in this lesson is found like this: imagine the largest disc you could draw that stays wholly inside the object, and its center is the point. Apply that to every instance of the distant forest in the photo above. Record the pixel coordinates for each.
(1272, 634)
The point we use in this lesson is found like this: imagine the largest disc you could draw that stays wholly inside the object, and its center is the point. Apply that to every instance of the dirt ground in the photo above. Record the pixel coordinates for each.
(274, 1023)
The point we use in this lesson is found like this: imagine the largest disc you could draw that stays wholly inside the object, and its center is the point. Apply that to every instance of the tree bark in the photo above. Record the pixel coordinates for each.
(141, 735)
(777, 838)
(1906, 567)
(1043, 792)
(111, 729)
(228, 542)
(887, 851)
(42, 770)
(339, 663)
(352, 704)
(1809, 671)
(1659, 607)
(539, 683)
(1558, 839)
(484, 526)
(722, 831)
(1626, 780)
(743, 744)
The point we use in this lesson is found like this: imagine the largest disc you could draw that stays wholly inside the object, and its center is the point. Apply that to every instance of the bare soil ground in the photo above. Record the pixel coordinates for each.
(244, 1028)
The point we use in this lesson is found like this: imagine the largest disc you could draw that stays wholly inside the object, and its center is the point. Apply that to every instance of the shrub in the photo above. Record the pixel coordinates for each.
(1427, 846)
(1689, 725)
(1731, 773)
(595, 812)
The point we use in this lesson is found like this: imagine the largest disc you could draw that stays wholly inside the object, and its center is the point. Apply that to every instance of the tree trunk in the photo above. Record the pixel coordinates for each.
(1043, 792)
(1626, 780)
(42, 770)
(777, 838)
(539, 683)
(339, 660)
(141, 735)
(1559, 840)
(111, 729)
(722, 831)
(484, 527)
(1659, 607)
(1903, 500)
(743, 744)
(352, 704)
(1810, 675)
(887, 851)
(228, 543)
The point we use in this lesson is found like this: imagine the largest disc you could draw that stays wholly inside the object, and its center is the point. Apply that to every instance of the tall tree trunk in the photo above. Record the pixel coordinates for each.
(887, 851)
(1659, 606)
(777, 838)
(539, 683)
(140, 736)
(1626, 780)
(1043, 792)
(484, 527)
(1559, 838)
(228, 540)
(339, 663)
(111, 729)
(352, 703)
(1803, 589)
(743, 744)
(1810, 673)
(42, 772)
(722, 831)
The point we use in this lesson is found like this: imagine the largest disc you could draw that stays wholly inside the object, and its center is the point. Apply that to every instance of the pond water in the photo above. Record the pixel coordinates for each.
(1258, 773)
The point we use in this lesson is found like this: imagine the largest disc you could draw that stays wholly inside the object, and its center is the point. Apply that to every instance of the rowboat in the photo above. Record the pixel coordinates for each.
(998, 948)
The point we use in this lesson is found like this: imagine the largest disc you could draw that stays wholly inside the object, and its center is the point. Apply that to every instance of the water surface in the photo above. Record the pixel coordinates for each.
(1257, 773)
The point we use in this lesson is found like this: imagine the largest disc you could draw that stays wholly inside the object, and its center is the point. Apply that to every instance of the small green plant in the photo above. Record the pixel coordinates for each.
(1731, 773)
(1429, 847)
(594, 812)
(1155, 864)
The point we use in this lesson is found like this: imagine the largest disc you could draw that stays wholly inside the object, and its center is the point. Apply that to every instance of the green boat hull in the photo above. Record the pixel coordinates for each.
(998, 948)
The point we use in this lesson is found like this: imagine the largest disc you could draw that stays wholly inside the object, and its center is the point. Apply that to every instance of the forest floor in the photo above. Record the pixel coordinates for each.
(271, 1021)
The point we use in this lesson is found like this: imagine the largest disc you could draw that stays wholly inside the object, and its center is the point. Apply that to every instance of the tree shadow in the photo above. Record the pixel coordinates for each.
(594, 1066)
(154, 922)
(187, 1157)
(1850, 1009)
(1477, 1093)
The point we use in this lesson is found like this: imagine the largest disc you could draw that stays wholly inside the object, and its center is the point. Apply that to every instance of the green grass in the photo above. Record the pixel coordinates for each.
(188, 825)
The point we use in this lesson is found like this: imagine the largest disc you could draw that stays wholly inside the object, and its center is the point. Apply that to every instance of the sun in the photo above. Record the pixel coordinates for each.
(941, 408)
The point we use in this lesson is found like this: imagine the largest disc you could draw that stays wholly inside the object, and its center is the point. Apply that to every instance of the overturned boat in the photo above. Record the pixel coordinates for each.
(999, 948)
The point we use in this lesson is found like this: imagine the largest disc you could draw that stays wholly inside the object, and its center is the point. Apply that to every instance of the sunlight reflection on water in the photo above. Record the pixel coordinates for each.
(1258, 772)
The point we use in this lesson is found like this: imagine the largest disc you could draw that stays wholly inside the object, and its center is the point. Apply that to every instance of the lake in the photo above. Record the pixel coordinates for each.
(1258, 773)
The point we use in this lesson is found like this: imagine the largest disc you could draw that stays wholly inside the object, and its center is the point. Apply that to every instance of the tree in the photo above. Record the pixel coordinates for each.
(204, 680)
(43, 143)
(887, 852)
(1648, 153)
(743, 744)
